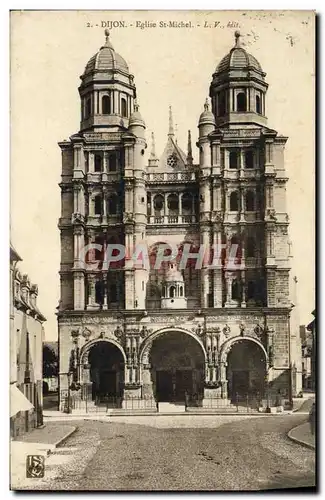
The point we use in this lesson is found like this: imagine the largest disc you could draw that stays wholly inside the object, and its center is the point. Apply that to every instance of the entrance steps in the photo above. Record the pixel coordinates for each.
(165, 407)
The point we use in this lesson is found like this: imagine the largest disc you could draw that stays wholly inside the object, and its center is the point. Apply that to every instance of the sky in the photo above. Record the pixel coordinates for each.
(172, 67)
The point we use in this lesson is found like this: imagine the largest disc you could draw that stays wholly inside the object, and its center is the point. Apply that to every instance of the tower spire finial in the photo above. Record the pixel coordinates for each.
(206, 105)
(153, 147)
(107, 42)
(171, 127)
(237, 37)
(189, 149)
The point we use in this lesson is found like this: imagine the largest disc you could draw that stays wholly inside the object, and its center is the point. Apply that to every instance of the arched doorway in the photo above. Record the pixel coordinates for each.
(106, 370)
(246, 369)
(177, 367)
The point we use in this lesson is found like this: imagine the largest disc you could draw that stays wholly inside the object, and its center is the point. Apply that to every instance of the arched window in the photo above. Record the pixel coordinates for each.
(181, 291)
(233, 159)
(250, 290)
(98, 204)
(235, 290)
(158, 204)
(124, 110)
(234, 201)
(106, 105)
(112, 163)
(187, 203)
(241, 102)
(172, 203)
(249, 159)
(250, 201)
(258, 104)
(98, 163)
(250, 247)
(221, 103)
(172, 291)
(88, 107)
(112, 204)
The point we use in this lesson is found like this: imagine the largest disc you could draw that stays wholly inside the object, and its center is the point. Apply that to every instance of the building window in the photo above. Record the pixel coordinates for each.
(106, 105)
(172, 203)
(112, 204)
(181, 291)
(172, 291)
(112, 163)
(250, 247)
(235, 290)
(98, 163)
(98, 205)
(234, 201)
(113, 293)
(250, 290)
(187, 203)
(88, 107)
(124, 107)
(250, 201)
(233, 159)
(249, 159)
(158, 203)
(221, 103)
(258, 104)
(99, 292)
(241, 102)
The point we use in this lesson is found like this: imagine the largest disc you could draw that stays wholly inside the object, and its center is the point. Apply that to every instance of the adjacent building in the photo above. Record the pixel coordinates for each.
(26, 344)
(213, 331)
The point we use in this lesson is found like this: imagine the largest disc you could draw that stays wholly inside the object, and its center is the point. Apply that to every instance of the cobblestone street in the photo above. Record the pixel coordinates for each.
(180, 453)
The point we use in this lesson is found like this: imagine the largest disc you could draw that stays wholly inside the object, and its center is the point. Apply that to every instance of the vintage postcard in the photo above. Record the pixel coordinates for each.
(162, 307)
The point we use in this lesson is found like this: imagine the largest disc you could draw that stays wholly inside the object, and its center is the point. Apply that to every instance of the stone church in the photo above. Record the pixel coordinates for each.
(207, 333)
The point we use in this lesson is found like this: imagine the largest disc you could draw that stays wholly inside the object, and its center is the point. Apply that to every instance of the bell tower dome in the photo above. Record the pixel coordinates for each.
(238, 89)
(107, 91)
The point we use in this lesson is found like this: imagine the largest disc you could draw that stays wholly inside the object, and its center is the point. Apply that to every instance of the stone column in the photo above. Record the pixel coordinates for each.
(91, 292)
(229, 280)
(104, 202)
(243, 298)
(180, 196)
(91, 251)
(165, 207)
(91, 162)
(217, 272)
(223, 380)
(242, 203)
(105, 286)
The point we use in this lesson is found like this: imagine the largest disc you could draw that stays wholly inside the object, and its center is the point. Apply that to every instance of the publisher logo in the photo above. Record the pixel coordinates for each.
(35, 466)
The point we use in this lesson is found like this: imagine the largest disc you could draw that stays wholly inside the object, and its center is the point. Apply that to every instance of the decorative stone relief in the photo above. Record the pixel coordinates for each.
(242, 329)
(119, 332)
(144, 332)
(86, 333)
(226, 330)
(77, 218)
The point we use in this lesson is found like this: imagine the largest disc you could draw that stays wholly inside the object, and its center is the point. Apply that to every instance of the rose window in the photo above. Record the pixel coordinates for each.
(172, 160)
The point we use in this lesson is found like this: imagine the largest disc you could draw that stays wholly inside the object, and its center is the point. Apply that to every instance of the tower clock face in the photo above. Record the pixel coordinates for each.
(172, 160)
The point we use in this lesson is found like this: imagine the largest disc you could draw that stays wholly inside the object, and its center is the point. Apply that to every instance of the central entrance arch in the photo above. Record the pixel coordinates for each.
(106, 370)
(177, 366)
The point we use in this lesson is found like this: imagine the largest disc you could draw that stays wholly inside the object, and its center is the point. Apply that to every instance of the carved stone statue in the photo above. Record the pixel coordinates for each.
(242, 329)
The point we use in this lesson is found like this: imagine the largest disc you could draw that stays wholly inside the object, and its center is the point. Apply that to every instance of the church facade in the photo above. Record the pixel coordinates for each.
(215, 327)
